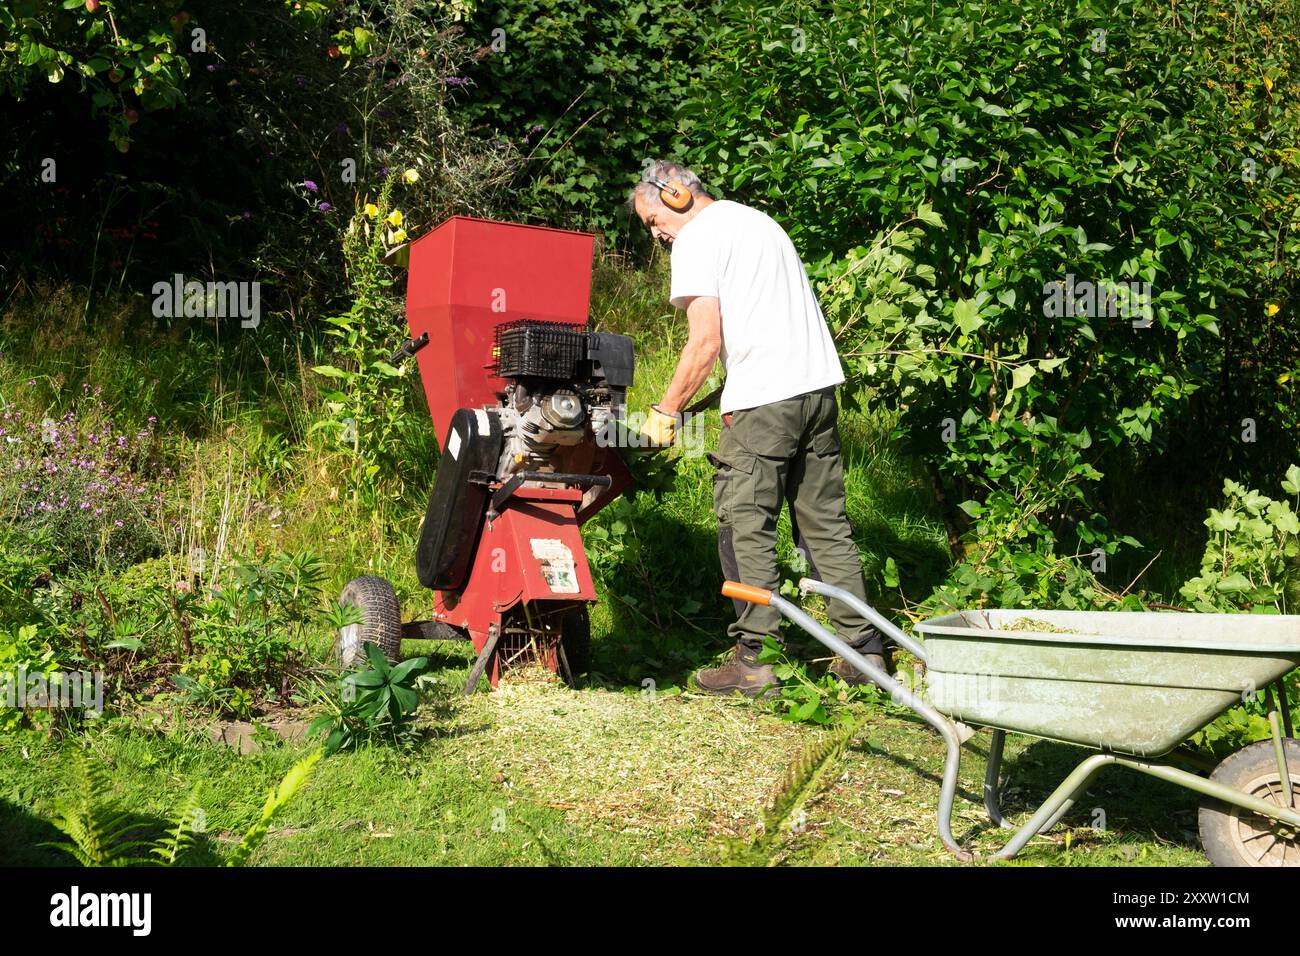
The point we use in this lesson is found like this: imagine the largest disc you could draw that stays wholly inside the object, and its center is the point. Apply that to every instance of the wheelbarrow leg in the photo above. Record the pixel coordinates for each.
(1283, 772)
(1066, 805)
(991, 789)
(1053, 807)
(1284, 706)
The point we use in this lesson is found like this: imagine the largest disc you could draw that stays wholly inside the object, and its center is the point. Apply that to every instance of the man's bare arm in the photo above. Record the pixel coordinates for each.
(703, 342)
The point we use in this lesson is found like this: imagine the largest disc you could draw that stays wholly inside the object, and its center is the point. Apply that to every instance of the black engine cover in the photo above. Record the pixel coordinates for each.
(457, 504)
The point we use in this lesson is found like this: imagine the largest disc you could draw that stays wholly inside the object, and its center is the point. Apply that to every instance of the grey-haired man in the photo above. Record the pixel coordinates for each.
(748, 300)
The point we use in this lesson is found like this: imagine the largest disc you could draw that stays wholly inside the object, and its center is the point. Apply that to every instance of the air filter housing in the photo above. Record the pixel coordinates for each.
(539, 349)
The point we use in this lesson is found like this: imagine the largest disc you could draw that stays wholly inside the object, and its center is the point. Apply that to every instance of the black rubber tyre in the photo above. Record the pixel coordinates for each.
(381, 621)
(575, 638)
(1235, 837)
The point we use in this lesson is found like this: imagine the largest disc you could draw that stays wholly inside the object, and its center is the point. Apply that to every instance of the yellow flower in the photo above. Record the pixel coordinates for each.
(411, 176)
(1282, 380)
(396, 236)
(1273, 308)
(371, 210)
(395, 219)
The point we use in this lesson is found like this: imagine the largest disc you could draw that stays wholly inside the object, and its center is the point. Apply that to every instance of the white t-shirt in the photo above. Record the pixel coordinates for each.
(775, 342)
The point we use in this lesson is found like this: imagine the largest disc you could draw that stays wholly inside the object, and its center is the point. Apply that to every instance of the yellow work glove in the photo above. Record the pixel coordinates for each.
(660, 428)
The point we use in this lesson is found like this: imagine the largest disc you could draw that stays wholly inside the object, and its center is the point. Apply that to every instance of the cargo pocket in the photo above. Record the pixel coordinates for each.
(826, 443)
(825, 439)
(730, 478)
(769, 431)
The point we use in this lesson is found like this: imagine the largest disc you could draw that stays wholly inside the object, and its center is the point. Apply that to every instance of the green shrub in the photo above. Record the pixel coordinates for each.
(950, 172)
(587, 91)
(1252, 559)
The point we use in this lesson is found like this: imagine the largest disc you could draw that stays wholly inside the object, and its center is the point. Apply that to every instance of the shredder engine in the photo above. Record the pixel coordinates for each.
(525, 400)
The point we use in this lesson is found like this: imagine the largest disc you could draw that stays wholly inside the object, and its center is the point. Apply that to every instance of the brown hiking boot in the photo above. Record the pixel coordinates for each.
(739, 676)
(854, 677)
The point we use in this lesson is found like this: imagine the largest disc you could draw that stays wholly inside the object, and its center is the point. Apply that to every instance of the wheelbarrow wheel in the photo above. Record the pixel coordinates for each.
(1232, 836)
(575, 638)
(381, 621)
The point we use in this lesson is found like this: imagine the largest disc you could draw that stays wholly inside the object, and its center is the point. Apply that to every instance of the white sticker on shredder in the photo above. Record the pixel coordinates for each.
(481, 416)
(556, 564)
(453, 444)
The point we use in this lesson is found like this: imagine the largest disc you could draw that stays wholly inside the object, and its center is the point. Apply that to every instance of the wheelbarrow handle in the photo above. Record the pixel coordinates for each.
(746, 592)
(903, 696)
(891, 630)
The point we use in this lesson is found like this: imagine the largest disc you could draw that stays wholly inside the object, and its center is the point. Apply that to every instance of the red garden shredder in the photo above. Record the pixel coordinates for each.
(525, 401)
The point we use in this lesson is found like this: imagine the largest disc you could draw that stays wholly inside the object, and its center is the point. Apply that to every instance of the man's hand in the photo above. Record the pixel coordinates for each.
(660, 428)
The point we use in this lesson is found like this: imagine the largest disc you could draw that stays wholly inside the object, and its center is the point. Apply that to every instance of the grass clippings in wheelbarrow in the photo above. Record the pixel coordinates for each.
(1030, 624)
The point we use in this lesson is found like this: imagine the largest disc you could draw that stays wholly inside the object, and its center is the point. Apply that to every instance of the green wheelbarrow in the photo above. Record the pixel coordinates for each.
(1131, 685)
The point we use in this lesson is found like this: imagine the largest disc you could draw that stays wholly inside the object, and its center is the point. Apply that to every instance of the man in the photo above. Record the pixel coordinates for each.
(747, 299)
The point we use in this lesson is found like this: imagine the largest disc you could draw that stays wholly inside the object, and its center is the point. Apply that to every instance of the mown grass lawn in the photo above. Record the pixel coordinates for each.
(540, 774)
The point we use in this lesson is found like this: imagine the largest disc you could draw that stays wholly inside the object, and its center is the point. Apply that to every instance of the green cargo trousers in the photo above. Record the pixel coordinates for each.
(786, 451)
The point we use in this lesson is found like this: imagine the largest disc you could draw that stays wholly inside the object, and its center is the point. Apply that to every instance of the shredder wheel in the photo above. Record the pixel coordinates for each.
(381, 621)
(1232, 836)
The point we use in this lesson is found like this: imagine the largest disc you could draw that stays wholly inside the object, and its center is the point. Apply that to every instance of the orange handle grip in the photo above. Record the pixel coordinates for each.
(746, 592)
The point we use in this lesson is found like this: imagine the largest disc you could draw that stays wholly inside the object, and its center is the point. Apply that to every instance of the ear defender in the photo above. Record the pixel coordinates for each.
(674, 195)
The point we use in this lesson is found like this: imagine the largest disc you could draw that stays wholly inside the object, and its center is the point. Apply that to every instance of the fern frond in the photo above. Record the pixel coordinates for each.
(804, 775)
(98, 830)
(801, 780)
(275, 802)
(181, 835)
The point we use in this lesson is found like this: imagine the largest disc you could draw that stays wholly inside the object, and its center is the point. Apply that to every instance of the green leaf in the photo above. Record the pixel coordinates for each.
(890, 573)
(403, 669)
(1021, 375)
(806, 710)
(1232, 584)
(966, 314)
(925, 212)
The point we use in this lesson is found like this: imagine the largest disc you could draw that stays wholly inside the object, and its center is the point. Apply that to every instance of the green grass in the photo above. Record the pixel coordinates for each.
(537, 774)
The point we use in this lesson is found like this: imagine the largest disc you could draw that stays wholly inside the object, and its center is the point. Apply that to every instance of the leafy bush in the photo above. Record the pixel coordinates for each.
(805, 699)
(951, 172)
(22, 655)
(25, 562)
(1251, 563)
(123, 55)
(587, 91)
(302, 107)
(229, 649)
(245, 636)
(373, 413)
(1252, 560)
